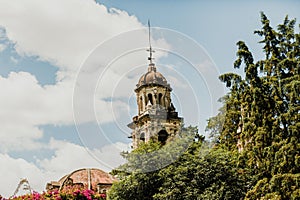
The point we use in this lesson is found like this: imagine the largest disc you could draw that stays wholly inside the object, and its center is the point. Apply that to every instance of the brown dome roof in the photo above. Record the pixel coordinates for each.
(88, 177)
(152, 77)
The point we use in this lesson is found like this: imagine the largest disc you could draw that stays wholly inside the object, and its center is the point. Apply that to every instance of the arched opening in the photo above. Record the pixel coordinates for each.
(142, 137)
(150, 98)
(160, 99)
(162, 136)
(141, 104)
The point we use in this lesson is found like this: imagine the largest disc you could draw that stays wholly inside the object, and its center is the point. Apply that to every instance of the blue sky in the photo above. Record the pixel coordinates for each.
(45, 48)
(216, 25)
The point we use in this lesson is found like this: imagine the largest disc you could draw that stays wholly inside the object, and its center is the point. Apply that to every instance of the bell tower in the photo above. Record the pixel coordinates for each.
(157, 118)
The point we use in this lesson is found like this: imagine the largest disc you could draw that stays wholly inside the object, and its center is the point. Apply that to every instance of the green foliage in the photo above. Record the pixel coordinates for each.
(280, 186)
(215, 124)
(203, 176)
(198, 172)
(152, 155)
(139, 177)
(136, 186)
(134, 182)
(263, 112)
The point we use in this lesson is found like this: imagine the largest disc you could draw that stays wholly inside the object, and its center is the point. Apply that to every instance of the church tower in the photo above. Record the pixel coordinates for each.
(157, 118)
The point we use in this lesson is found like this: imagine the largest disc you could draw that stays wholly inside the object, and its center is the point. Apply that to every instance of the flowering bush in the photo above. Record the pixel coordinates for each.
(77, 194)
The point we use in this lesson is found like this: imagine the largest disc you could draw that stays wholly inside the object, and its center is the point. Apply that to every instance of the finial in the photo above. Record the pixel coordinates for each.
(150, 47)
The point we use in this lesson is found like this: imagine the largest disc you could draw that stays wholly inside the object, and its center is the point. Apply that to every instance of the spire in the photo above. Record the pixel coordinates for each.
(150, 58)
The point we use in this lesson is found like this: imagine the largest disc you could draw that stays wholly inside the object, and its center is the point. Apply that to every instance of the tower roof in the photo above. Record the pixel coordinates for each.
(152, 77)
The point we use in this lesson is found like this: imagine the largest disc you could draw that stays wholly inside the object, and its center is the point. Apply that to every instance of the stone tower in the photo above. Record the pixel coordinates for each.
(157, 118)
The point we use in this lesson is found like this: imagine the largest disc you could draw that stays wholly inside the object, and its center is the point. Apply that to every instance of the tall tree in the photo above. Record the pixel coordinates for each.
(263, 111)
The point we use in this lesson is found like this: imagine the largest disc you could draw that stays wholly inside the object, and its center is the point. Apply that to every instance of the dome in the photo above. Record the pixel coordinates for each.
(152, 77)
(89, 177)
(86, 178)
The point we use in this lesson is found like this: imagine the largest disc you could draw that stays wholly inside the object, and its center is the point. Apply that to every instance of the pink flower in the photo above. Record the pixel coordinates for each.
(88, 194)
(77, 192)
(55, 192)
(36, 196)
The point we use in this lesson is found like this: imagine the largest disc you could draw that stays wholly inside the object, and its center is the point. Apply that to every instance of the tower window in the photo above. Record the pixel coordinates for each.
(160, 99)
(142, 137)
(162, 136)
(150, 98)
(141, 104)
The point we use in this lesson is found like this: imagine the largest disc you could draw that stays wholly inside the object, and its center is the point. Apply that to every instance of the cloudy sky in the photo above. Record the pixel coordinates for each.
(68, 69)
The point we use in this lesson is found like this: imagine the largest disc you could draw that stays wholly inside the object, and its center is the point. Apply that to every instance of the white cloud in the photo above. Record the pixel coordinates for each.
(25, 105)
(2, 47)
(13, 170)
(62, 32)
(67, 157)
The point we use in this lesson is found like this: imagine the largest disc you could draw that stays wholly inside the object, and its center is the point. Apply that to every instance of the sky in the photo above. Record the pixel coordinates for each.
(68, 70)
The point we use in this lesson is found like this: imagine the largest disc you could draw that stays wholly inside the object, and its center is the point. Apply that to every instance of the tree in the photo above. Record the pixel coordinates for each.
(199, 172)
(263, 111)
(134, 183)
(199, 175)
(139, 177)
(215, 124)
